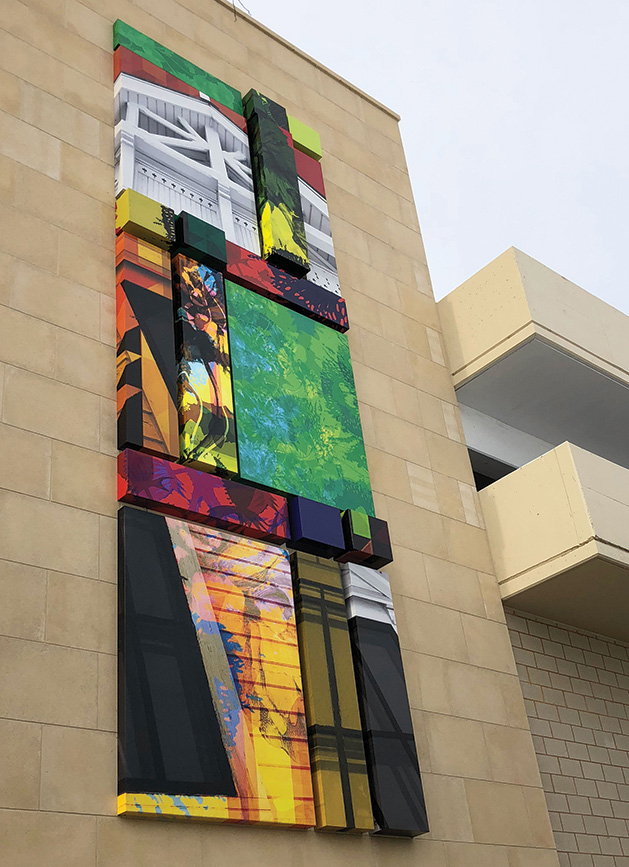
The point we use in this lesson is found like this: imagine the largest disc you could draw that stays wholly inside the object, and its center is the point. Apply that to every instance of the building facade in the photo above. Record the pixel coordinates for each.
(63, 125)
(541, 373)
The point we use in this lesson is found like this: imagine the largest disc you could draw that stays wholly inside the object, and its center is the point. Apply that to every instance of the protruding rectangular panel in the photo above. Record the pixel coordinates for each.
(305, 138)
(278, 200)
(314, 207)
(394, 777)
(182, 149)
(366, 540)
(339, 769)
(146, 219)
(299, 428)
(184, 492)
(146, 367)
(315, 528)
(207, 431)
(170, 738)
(183, 69)
(200, 241)
(243, 694)
(300, 295)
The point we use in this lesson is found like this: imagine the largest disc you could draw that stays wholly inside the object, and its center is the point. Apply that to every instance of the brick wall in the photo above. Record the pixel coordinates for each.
(576, 690)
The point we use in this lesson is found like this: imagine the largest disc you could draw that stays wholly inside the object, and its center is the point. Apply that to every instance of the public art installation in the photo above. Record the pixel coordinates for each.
(256, 685)
(394, 778)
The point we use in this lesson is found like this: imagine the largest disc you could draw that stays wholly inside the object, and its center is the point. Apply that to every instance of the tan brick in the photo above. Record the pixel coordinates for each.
(20, 745)
(467, 545)
(52, 408)
(48, 838)
(388, 474)
(86, 263)
(22, 601)
(449, 808)
(406, 402)
(488, 644)
(38, 533)
(107, 557)
(374, 388)
(26, 342)
(55, 299)
(78, 771)
(449, 457)
(422, 486)
(498, 813)
(24, 462)
(81, 612)
(45, 683)
(454, 586)
(429, 629)
(59, 119)
(107, 692)
(449, 497)
(28, 145)
(30, 239)
(405, 522)
(511, 756)
(85, 363)
(461, 855)
(407, 574)
(457, 747)
(401, 438)
(108, 427)
(58, 204)
(148, 844)
(10, 93)
(86, 173)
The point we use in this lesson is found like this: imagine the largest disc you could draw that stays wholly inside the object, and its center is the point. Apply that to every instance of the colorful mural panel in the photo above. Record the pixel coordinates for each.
(145, 218)
(172, 63)
(207, 433)
(180, 146)
(394, 778)
(305, 138)
(145, 361)
(208, 499)
(242, 687)
(315, 528)
(247, 377)
(299, 294)
(200, 241)
(366, 540)
(314, 208)
(339, 769)
(278, 199)
(296, 409)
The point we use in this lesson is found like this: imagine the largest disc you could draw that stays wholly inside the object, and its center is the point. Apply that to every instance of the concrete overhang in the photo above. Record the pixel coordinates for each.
(559, 534)
(541, 355)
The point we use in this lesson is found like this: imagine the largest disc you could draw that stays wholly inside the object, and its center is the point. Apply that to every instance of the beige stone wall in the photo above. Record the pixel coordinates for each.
(57, 498)
(576, 686)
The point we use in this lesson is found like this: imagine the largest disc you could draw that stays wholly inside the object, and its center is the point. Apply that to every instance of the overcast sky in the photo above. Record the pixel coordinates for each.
(514, 121)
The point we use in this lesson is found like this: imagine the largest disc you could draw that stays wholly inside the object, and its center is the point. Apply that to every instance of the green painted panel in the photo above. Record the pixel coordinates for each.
(167, 60)
(297, 416)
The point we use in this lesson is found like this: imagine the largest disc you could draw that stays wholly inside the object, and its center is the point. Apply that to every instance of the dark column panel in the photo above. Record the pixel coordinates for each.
(278, 200)
(337, 754)
(394, 777)
(170, 740)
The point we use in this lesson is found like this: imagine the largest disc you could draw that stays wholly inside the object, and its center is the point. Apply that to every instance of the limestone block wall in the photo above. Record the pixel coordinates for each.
(576, 686)
(57, 462)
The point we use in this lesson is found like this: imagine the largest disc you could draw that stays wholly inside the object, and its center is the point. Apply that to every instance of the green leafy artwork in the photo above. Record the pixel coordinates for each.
(297, 417)
(278, 199)
(178, 66)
